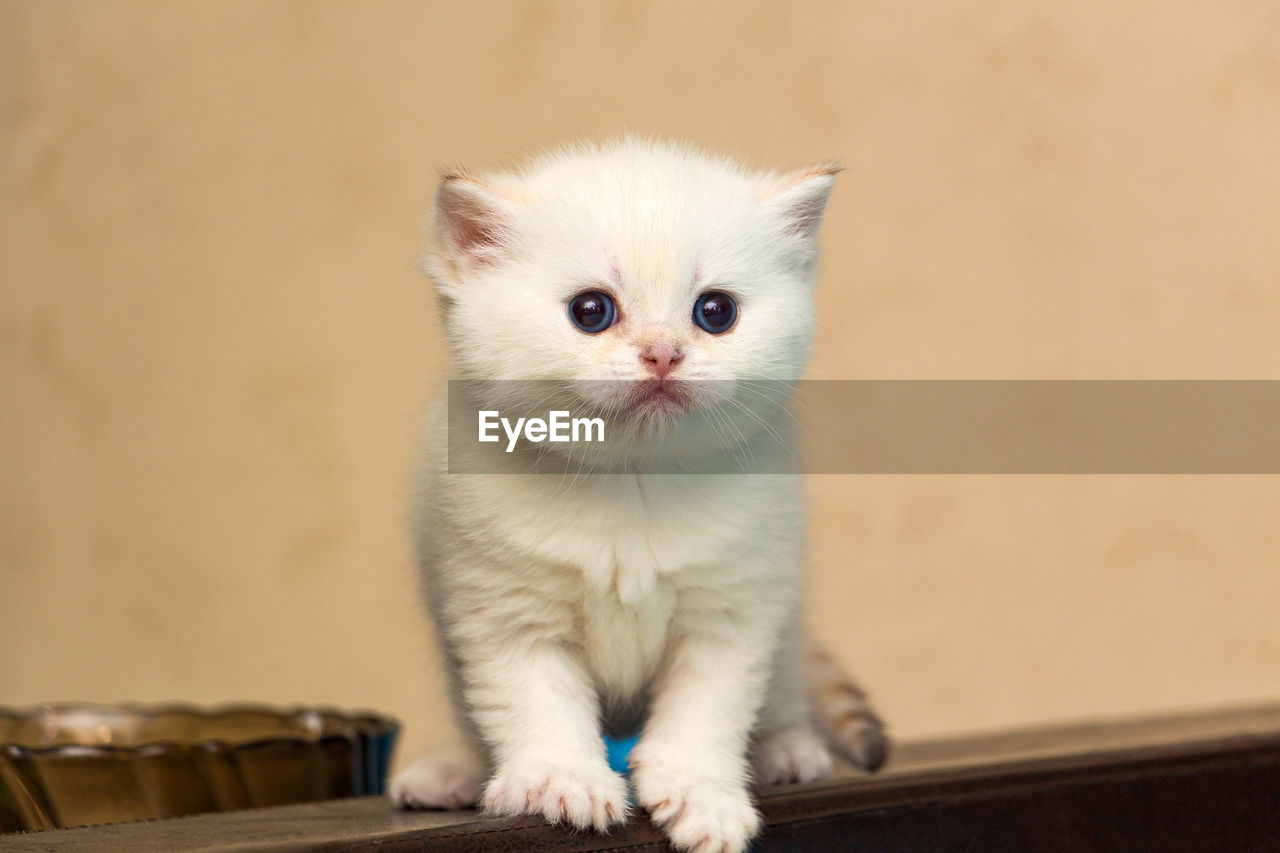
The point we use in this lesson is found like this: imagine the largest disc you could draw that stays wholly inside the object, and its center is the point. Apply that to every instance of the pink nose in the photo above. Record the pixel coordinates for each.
(661, 359)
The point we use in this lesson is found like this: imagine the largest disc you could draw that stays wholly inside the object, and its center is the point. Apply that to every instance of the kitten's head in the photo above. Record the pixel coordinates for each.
(669, 274)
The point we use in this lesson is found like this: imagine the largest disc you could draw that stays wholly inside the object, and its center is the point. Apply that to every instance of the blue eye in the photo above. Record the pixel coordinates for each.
(592, 312)
(715, 312)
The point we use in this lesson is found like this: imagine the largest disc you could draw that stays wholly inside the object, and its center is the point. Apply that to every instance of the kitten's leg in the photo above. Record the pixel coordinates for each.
(536, 708)
(786, 747)
(530, 699)
(690, 767)
(447, 777)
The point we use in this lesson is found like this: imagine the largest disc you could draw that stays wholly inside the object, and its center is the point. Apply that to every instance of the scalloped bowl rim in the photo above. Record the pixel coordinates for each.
(374, 724)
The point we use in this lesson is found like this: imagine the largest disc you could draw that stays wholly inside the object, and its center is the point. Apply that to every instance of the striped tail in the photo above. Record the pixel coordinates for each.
(843, 714)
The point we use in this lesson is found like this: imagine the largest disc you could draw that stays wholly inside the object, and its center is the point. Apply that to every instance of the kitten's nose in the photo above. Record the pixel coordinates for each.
(661, 358)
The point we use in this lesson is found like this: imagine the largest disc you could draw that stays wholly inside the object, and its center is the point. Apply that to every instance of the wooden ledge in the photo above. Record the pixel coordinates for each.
(1189, 782)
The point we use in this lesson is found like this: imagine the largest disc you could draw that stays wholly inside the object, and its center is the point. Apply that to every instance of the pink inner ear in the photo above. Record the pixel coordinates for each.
(801, 197)
(804, 217)
(469, 230)
(470, 219)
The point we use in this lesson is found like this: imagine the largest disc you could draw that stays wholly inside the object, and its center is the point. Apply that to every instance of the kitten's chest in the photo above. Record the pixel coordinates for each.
(630, 543)
(633, 545)
(623, 644)
(629, 535)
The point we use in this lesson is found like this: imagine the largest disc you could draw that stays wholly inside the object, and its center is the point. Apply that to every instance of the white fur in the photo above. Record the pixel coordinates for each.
(611, 598)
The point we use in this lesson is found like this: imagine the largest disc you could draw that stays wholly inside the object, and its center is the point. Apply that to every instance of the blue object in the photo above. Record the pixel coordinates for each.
(618, 749)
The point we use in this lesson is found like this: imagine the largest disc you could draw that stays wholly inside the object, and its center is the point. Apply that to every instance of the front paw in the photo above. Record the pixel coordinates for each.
(699, 812)
(584, 793)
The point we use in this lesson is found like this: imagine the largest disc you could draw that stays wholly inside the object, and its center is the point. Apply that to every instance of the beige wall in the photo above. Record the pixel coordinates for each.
(214, 344)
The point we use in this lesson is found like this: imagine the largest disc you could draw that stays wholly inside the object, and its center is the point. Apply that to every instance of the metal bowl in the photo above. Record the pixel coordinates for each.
(78, 764)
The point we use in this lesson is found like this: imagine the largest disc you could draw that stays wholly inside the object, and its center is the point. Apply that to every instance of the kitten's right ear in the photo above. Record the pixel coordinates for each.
(474, 221)
(800, 198)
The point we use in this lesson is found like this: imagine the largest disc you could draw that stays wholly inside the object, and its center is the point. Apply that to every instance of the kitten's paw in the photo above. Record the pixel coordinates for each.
(698, 814)
(584, 794)
(791, 756)
(445, 779)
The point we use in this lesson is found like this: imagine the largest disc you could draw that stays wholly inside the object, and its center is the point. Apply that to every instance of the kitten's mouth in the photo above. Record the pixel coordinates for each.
(660, 397)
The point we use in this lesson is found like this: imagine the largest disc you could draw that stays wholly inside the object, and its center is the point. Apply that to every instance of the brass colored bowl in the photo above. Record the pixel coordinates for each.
(79, 764)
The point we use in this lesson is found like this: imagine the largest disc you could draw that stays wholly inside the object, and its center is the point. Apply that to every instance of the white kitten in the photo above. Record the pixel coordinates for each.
(567, 607)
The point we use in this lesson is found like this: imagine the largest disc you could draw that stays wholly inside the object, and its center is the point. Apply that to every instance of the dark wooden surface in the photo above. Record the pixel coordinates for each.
(1192, 782)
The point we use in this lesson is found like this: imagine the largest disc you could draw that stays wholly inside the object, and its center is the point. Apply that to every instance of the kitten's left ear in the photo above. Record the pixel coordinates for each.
(473, 220)
(800, 197)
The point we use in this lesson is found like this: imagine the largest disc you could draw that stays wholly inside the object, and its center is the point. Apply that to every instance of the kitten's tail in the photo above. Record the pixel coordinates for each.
(842, 712)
